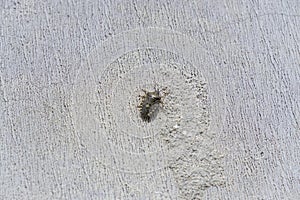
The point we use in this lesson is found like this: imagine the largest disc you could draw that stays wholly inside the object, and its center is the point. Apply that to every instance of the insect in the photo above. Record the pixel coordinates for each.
(150, 103)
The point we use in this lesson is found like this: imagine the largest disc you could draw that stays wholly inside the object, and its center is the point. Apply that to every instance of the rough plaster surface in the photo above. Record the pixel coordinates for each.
(178, 139)
(70, 77)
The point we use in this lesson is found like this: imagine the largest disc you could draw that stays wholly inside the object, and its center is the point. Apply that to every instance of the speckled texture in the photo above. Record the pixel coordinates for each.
(177, 140)
(230, 127)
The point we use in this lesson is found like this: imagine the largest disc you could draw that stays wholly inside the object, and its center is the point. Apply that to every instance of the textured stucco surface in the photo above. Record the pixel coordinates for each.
(71, 73)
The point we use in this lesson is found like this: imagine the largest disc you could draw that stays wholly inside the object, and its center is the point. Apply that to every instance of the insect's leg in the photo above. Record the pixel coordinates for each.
(144, 91)
(155, 86)
(143, 96)
(165, 91)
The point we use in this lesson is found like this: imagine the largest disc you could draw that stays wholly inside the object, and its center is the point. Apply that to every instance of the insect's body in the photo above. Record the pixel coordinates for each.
(150, 104)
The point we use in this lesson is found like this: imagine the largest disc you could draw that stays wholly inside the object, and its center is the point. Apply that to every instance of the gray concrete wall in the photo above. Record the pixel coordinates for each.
(71, 73)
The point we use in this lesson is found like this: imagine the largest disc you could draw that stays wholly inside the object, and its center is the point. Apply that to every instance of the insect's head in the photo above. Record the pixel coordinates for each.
(155, 96)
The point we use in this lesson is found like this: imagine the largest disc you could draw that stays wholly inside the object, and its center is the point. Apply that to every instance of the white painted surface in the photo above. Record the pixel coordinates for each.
(62, 139)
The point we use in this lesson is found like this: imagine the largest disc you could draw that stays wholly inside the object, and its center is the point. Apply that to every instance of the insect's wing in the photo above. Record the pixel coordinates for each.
(153, 111)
